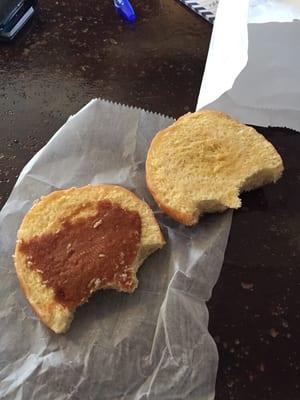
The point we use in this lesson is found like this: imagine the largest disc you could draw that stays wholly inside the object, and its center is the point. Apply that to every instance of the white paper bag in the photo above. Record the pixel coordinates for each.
(252, 71)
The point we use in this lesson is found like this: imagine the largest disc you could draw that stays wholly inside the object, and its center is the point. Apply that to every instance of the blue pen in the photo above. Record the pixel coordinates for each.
(125, 10)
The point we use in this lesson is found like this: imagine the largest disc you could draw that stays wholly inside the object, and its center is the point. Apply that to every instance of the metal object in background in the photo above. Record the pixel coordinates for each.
(205, 8)
(14, 14)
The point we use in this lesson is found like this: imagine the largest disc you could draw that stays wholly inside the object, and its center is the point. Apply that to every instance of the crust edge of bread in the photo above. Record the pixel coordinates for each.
(62, 319)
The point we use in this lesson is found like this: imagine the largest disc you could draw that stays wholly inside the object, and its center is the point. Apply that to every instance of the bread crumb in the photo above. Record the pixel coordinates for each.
(101, 255)
(274, 333)
(285, 324)
(91, 282)
(97, 223)
(97, 282)
(247, 286)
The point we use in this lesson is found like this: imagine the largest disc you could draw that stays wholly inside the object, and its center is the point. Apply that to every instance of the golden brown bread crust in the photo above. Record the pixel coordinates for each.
(41, 315)
(45, 217)
(178, 216)
(202, 162)
(47, 309)
(182, 218)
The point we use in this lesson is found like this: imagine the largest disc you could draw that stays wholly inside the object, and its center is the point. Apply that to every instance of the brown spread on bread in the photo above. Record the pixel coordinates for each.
(87, 253)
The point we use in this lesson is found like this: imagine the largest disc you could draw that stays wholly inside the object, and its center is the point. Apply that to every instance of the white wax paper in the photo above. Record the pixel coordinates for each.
(153, 344)
(252, 71)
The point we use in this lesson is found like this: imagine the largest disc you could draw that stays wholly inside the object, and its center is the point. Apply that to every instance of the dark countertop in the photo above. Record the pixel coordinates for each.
(73, 53)
(255, 307)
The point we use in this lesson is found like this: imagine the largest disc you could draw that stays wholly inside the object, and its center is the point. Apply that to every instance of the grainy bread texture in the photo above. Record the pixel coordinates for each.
(202, 162)
(47, 216)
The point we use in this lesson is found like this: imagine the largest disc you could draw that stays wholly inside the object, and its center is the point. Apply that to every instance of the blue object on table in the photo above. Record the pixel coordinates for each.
(125, 10)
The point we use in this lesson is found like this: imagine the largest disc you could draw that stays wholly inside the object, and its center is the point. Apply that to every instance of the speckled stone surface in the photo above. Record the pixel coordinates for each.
(76, 51)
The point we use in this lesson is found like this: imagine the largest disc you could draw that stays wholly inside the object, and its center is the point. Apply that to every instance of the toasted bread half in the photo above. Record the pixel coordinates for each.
(202, 162)
(74, 242)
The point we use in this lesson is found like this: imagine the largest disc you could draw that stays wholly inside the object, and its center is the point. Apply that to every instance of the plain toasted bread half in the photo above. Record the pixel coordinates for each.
(74, 242)
(202, 162)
